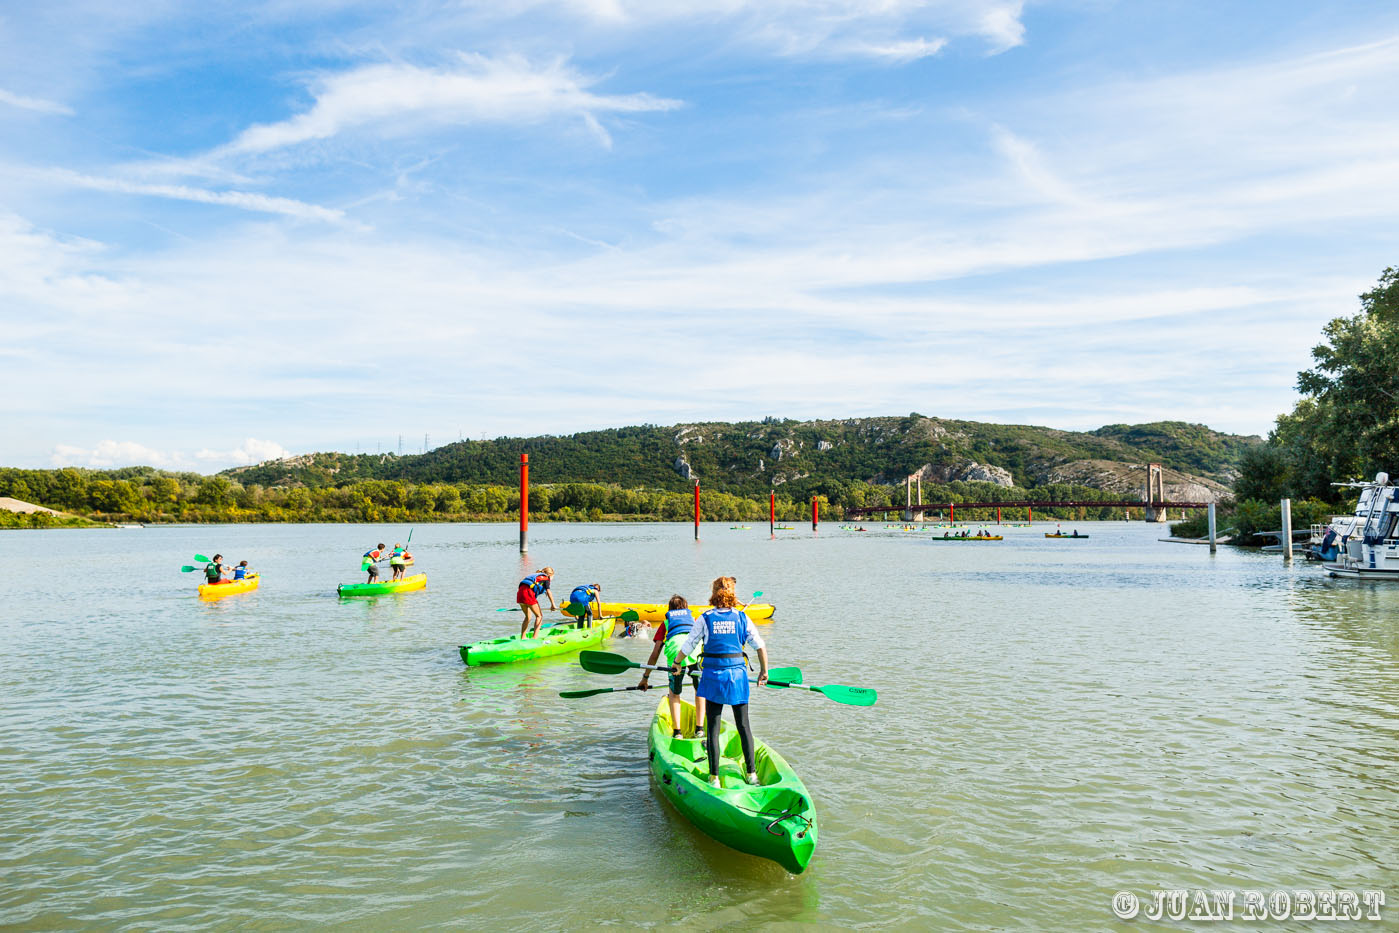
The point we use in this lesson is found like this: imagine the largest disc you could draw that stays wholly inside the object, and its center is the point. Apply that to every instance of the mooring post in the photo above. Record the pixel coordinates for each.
(696, 510)
(1031, 510)
(815, 512)
(998, 515)
(524, 503)
(1212, 528)
(1287, 529)
(952, 509)
(772, 513)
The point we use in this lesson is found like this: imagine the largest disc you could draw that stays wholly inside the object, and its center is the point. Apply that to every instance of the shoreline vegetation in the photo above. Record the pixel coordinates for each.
(91, 498)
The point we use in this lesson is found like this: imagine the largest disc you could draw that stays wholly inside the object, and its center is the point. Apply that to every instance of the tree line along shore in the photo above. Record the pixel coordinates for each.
(150, 496)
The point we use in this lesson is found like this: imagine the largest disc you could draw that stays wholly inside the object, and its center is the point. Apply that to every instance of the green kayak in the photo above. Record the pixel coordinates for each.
(774, 819)
(562, 638)
(416, 582)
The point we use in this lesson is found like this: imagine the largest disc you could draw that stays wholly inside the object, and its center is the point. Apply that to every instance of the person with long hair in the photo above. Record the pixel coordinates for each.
(724, 631)
(678, 624)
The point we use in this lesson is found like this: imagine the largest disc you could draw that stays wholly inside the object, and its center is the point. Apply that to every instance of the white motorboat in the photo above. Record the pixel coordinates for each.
(1366, 544)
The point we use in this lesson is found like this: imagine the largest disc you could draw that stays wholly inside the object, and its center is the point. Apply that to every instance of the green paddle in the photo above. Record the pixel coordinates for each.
(851, 696)
(579, 694)
(188, 569)
(201, 558)
(606, 662)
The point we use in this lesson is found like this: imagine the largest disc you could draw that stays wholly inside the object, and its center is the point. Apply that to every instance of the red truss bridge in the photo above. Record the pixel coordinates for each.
(915, 511)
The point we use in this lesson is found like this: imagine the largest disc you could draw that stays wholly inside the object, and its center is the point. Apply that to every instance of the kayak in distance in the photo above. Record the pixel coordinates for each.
(560, 638)
(970, 538)
(416, 582)
(229, 587)
(761, 613)
(1075, 535)
(774, 819)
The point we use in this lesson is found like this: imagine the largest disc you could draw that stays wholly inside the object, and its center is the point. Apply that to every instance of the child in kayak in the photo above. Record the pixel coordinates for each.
(527, 598)
(585, 596)
(241, 572)
(370, 564)
(674, 630)
(723, 632)
(214, 570)
(397, 561)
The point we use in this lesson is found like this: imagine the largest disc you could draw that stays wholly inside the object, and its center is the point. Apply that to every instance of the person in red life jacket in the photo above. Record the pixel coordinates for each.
(527, 598)
(678, 624)
(724, 631)
(371, 563)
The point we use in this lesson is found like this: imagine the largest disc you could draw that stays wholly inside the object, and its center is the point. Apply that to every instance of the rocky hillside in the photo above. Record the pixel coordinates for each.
(805, 457)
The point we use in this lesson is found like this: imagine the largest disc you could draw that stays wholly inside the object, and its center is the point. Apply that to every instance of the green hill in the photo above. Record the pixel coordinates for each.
(800, 458)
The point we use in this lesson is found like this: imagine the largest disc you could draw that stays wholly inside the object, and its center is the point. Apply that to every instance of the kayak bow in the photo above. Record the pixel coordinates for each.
(564, 638)
(416, 582)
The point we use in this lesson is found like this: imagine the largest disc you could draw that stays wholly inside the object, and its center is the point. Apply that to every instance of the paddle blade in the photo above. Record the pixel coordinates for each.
(788, 675)
(574, 609)
(851, 696)
(509, 609)
(202, 559)
(605, 662)
(188, 569)
(631, 615)
(757, 594)
(579, 694)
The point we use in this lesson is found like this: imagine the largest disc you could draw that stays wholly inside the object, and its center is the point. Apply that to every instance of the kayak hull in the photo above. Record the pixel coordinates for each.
(232, 588)
(554, 640)
(972, 538)
(773, 820)
(1065, 536)
(416, 582)
(761, 613)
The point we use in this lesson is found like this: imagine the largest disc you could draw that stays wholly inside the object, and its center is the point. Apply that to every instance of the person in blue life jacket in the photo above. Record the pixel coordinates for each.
(370, 563)
(214, 570)
(527, 598)
(242, 571)
(582, 600)
(398, 561)
(678, 624)
(724, 631)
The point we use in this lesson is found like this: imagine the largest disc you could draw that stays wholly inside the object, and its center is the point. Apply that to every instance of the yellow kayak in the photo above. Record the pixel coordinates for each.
(231, 588)
(760, 613)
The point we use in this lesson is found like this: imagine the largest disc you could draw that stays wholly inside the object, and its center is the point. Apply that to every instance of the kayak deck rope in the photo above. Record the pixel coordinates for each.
(791, 815)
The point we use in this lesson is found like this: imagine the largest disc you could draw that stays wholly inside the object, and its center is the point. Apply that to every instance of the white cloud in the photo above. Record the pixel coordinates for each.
(244, 200)
(111, 453)
(33, 103)
(108, 454)
(250, 451)
(479, 90)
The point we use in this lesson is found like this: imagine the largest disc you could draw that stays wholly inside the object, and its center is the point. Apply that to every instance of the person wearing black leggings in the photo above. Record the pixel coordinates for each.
(724, 631)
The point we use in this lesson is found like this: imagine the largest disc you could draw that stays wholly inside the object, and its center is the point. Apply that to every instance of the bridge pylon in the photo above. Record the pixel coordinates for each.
(1155, 492)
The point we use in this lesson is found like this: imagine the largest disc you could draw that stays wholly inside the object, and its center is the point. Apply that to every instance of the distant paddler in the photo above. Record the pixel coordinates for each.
(678, 624)
(527, 598)
(370, 564)
(243, 571)
(583, 598)
(214, 570)
(723, 632)
(398, 561)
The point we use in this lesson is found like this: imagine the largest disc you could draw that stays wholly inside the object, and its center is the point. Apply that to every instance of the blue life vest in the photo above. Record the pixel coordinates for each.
(533, 582)
(727, 634)
(240, 573)
(582, 595)
(678, 622)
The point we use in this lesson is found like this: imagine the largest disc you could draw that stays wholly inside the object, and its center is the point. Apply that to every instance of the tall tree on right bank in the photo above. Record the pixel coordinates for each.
(1347, 423)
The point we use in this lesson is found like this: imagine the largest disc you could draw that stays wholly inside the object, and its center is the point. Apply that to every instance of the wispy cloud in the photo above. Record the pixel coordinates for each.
(478, 90)
(244, 200)
(110, 453)
(33, 103)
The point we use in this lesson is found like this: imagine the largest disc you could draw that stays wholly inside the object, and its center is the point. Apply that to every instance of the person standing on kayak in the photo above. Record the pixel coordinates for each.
(214, 570)
(675, 629)
(371, 563)
(397, 561)
(527, 598)
(724, 631)
(585, 596)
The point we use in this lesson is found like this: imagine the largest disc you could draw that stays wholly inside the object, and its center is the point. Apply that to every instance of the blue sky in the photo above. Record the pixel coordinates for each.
(228, 232)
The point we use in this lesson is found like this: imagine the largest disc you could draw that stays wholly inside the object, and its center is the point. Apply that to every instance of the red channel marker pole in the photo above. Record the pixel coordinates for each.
(1031, 510)
(815, 512)
(696, 510)
(952, 507)
(772, 513)
(524, 503)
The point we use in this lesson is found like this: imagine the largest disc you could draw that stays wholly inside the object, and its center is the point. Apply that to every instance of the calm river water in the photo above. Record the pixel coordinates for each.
(1058, 721)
